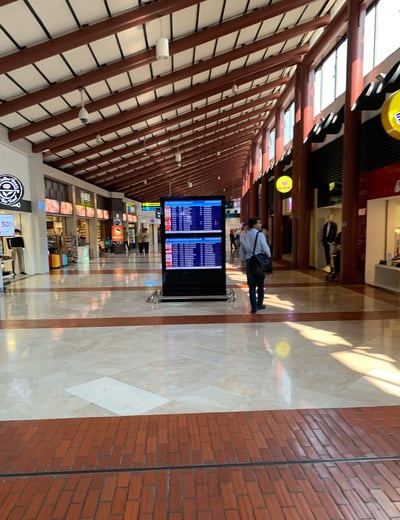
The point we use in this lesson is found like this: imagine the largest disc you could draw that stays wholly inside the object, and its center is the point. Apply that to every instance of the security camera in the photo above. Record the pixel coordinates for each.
(84, 115)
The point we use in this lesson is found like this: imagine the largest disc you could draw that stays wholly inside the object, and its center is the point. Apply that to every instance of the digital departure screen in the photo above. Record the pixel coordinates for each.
(193, 216)
(193, 245)
(193, 253)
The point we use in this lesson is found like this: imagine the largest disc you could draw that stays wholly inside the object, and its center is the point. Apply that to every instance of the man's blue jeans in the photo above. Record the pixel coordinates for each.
(256, 288)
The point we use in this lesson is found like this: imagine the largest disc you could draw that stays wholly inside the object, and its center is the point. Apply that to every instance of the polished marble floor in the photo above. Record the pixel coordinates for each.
(116, 406)
(88, 341)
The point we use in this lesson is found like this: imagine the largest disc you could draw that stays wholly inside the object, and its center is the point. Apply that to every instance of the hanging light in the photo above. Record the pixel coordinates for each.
(190, 184)
(235, 89)
(162, 48)
(83, 113)
(99, 139)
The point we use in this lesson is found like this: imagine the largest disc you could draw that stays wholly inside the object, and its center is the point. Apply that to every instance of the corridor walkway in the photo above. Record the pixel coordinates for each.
(116, 407)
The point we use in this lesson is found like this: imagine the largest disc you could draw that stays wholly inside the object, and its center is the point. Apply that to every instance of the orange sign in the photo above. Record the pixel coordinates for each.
(117, 233)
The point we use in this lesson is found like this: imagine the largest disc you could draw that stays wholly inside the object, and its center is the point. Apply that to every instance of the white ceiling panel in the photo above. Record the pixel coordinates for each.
(132, 41)
(55, 15)
(80, 60)
(54, 69)
(31, 33)
(28, 78)
(106, 50)
(89, 12)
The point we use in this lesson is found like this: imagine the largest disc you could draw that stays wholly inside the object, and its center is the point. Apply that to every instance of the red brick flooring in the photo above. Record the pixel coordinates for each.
(298, 464)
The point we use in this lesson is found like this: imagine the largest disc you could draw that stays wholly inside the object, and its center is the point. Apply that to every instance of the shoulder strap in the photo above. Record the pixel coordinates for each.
(255, 242)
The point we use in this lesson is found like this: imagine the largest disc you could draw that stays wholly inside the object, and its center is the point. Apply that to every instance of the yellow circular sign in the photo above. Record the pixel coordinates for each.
(284, 184)
(390, 115)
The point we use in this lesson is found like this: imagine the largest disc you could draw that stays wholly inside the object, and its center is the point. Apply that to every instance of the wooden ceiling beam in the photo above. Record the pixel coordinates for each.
(175, 121)
(148, 86)
(148, 162)
(184, 97)
(114, 178)
(153, 141)
(96, 31)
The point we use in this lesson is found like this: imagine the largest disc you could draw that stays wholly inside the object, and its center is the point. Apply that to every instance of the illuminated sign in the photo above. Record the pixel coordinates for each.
(52, 206)
(117, 233)
(150, 206)
(66, 208)
(284, 184)
(7, 226)
(84, 198)
(80, 210)
(390, 115)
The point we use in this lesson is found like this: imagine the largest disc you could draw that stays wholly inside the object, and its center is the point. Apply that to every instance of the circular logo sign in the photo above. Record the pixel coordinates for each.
(390, 115)
(284, 184)
(11, 190)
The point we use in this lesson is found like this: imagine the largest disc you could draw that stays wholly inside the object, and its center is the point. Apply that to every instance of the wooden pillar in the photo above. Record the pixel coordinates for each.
(352, 122)
(302, 193)
(264, 181)
(252, 201)
(265, 149)
(277, 224)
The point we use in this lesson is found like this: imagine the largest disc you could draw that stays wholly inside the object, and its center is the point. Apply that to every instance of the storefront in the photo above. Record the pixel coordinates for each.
(383, 228)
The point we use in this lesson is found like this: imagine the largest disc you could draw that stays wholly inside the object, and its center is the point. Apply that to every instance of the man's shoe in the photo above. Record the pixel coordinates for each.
(253, 312)
(259, 307)
(23, 272)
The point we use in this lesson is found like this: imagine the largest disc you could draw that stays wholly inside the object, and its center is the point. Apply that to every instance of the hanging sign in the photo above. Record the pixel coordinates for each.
(390, 115)
(284, 184)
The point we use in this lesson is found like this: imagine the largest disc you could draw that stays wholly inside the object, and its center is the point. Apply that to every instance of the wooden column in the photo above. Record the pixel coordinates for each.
(302, 193)
(352, 121)
(277, 223)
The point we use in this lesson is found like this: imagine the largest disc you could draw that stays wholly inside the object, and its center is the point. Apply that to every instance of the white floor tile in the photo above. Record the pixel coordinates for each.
(119, 398)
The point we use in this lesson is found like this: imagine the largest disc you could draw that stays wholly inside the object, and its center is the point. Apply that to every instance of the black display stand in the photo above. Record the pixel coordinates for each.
(193, 248)
(158, 297)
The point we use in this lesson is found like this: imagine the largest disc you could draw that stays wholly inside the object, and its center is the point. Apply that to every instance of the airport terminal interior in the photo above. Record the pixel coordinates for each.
(116, 405)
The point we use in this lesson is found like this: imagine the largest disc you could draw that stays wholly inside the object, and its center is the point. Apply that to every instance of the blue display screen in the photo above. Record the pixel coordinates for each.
(193, 253)
(193, 216)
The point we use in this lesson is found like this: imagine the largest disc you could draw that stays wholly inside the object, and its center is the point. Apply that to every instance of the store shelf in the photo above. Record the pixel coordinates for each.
(387, 277)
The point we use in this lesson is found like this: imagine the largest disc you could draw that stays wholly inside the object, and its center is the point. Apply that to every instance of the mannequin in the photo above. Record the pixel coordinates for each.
(329, 233)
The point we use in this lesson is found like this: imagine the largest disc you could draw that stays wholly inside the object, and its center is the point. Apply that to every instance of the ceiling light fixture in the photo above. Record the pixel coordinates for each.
(83, 113)
(162, 46)
(99, 139)
(235, 89)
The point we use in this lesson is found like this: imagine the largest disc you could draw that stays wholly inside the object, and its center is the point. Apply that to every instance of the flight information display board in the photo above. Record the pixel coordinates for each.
(193, 253)
(193, 245)
(193, 216)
